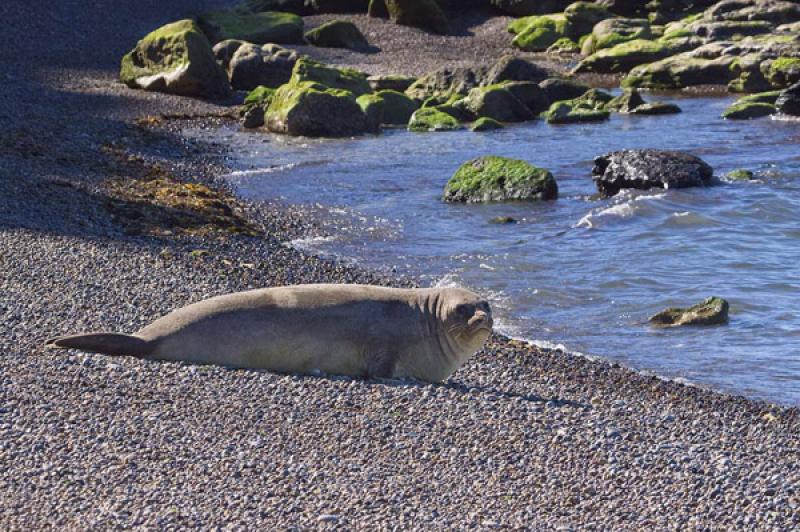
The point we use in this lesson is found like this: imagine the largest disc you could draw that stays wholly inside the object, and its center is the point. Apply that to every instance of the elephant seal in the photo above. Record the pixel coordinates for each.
(356, 330)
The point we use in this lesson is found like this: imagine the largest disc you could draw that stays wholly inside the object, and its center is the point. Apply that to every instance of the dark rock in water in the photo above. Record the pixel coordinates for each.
(338, 34)
(486, 124)
(788, 103)
(503, 220)
(391, 83)
(176, 59)
(253, 66)
(712, 311)
(645, 169)
(656, 108)
(522, 8)
(556, 89)
(253, 117)
(500, 179)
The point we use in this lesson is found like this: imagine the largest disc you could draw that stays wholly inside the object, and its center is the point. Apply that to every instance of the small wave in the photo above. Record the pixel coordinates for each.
(312, 245)
(625, 208)
(256, 171)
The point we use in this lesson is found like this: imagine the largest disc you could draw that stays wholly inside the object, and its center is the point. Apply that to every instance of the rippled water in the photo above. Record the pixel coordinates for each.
(581, 272)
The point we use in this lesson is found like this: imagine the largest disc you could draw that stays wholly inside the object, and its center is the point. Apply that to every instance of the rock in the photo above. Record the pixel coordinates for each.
(556, 89)
(503, 220)
(747, 110)
(497, 102)
(564, 45)
(260, 96)
(623, 57)
(377, 9)
(269, 65)
(682, 70)
(788, 103)
(446, 82)
(176, 59)
(432, 119)
(740, 174)
(583, 16)
(626, 102)
(338, 6)
(522, 8)
(486, 124)
(224, 51)
(253, 117)
(712, 311)
(782, 72)
(391, 82)
(314, 110)
(596, 99)
(625, 8)
(718, 31)
(307, 69)
(258, 28)
(539, 33)
(774, 11)
(564, 113)
(656, 108)
(645, 169)
(614, 31)
(423, 14)
(372, 106)
(530, 94)
(338, 34)
(392, 108)
(500, 179)
(298, 7)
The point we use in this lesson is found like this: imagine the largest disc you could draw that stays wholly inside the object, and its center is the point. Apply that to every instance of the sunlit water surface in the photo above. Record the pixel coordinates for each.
(580, 272)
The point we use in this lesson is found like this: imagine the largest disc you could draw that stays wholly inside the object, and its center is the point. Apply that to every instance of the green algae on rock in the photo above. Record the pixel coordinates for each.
(496, 101)
(337, 34)
(613, 31)
(539, 33)
(564, 113)
(656, 108)
(432, 119)
(493, 178)
(259, 28)
(564, 45)
(336, 78)
(176, 59)
(390, 108)
(712, 311)
(740, 110)
(625, 56)
(740, 174)
(486, 124)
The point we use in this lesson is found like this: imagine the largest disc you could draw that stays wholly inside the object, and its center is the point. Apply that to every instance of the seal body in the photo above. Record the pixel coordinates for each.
(353, 330)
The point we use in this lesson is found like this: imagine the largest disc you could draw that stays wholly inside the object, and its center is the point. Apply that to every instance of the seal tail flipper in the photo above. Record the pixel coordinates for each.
(105, 343)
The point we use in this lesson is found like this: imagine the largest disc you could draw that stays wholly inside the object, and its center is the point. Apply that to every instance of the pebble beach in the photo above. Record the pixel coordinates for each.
(519, 438)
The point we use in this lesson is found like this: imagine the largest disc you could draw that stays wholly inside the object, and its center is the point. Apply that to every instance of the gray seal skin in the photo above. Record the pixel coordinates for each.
(357, 330)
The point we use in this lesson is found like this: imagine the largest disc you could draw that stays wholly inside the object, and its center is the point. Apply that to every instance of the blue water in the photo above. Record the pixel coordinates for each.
(580, 272)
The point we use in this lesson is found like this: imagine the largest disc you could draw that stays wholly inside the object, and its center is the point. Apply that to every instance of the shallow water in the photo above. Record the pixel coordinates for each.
(579, 272)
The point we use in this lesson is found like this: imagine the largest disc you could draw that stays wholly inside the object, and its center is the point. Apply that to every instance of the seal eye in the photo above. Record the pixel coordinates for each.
(465, 310)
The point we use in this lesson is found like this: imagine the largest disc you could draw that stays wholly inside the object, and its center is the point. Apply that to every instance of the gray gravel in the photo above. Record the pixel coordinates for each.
(520, 437)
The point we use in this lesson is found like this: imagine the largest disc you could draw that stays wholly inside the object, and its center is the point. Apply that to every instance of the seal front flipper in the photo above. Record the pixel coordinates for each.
(105, 343)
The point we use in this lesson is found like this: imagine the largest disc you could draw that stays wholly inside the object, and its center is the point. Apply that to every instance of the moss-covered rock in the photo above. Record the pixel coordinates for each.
(486, 124)
(500, 179)
(314, 110)
(623, 57)
(626, 102)
(782, 72)
(657, 108)
(392, 82)
(539, 33)
(761, 97)
(748, 110)
(497, 102)
(565, 113)
(423, 14)
(683, 70)
(336, 78)
(564, 45)
(583, 16)
(261, 96)
(557, 89)
(337, 34)
(259, 28)
(613, 31)
(177, 59)
(432, 119)
(387, 107)
(740, 174)
(712, 311)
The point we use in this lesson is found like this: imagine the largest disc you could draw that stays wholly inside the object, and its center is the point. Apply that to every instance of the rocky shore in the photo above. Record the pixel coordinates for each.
(109, 218)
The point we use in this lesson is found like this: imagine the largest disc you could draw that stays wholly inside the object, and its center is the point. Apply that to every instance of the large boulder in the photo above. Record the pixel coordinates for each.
(500, 179)
(717, 31)
(645, 169)
(176, 59)
(583, 16)
(269, 65)
(259, 28)
(712, 311)
(530, 94)
(307, 69)
(314, 110)
(623, 57)
(338, 34)
(684, 70)
(613, 31)
(522, 8)
(496, 101)
(388, 107)
(538, 33)
(557, 89)
(788, 103)
(423, 14)
(774, 11)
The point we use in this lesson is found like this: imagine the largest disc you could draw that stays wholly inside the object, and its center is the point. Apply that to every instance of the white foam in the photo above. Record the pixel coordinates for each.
(624, 209)
(256, 171)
